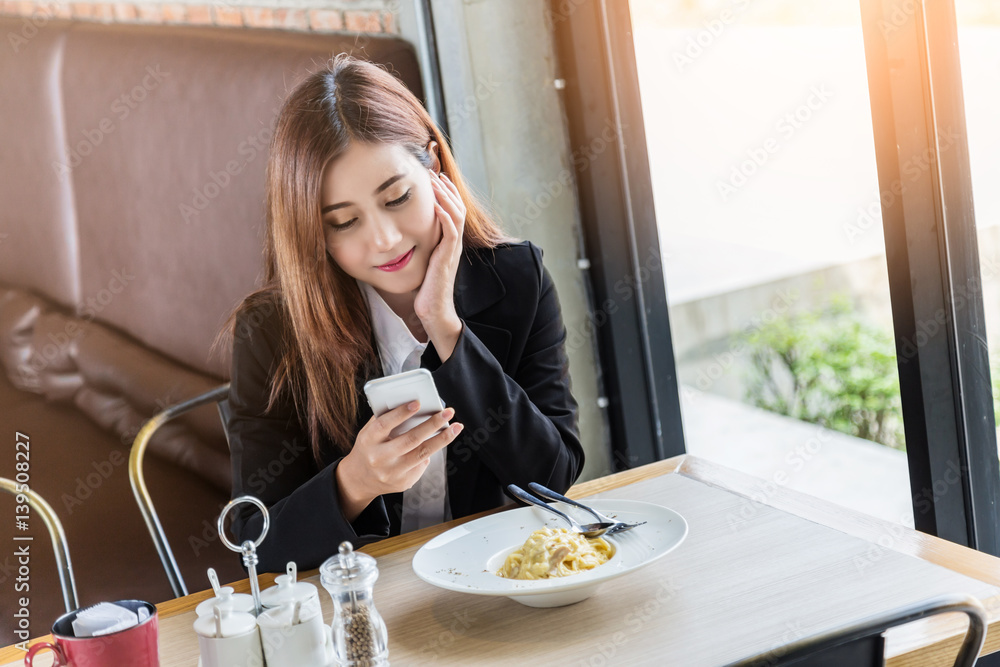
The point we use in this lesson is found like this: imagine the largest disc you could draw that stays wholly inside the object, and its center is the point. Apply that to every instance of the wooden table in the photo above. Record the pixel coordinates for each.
(761, 566)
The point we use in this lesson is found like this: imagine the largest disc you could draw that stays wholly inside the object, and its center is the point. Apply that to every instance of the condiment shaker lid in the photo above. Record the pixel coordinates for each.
(348, 569)
(224, 622)
(288, 590)
(241, 602)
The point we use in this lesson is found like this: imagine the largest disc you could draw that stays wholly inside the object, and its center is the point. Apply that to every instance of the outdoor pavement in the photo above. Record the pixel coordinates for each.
(842, 469)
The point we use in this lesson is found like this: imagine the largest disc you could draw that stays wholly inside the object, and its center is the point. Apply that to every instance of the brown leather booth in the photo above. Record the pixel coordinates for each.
(132, 165)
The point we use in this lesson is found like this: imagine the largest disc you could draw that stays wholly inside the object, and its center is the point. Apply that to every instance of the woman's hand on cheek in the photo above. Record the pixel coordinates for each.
(435, 301)
(379, 464)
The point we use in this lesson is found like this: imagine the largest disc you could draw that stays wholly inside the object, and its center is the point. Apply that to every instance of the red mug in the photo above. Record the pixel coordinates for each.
(135, 646)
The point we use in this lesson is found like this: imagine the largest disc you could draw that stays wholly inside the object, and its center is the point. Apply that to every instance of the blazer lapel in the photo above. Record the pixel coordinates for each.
(477, 287)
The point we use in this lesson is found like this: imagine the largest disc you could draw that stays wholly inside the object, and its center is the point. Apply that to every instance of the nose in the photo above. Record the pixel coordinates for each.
(385, 234)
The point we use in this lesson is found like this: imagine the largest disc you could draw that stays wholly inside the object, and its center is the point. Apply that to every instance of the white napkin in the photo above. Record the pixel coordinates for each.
(104, 618)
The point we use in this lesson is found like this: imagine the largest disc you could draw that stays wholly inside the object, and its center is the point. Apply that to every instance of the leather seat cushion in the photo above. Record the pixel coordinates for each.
(82, 472)
(117, 382)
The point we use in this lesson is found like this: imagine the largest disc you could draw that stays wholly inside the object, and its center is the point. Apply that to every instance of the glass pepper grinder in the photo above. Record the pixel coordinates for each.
(359, 634)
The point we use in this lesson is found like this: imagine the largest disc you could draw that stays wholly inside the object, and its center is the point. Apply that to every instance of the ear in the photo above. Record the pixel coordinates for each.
(432, 148)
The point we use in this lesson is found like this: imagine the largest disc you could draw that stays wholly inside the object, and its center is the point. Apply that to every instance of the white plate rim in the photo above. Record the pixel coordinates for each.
(534, 518)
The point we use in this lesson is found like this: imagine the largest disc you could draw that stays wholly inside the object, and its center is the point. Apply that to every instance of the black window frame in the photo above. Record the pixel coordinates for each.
(935, 281)
(596, 59)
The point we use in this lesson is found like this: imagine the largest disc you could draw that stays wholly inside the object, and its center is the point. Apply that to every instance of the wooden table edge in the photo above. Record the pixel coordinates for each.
(884, 535)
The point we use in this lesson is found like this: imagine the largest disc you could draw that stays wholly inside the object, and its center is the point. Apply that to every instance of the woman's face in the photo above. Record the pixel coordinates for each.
(378, 216)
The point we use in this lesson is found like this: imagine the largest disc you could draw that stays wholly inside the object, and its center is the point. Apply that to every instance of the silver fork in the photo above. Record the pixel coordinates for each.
(588, 530)
(549, 494)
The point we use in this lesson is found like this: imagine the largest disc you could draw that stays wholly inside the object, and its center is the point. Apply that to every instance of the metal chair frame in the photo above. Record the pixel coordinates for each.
(972, 644)
(56, 532)
(137, 478)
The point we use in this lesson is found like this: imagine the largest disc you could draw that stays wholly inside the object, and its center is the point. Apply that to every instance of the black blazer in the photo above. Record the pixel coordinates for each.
(507, 380)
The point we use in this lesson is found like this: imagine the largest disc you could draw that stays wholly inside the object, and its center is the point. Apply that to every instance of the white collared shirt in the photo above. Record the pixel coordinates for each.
(426, 502)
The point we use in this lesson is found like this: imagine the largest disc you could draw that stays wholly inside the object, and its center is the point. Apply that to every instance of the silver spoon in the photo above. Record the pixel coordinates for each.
(213, 578)
(587, 530)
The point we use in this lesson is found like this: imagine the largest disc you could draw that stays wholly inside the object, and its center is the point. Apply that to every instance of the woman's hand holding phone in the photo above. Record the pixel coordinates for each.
(380, 464)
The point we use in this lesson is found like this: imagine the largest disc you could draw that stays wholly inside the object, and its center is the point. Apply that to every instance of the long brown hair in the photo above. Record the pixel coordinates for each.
(327, 343)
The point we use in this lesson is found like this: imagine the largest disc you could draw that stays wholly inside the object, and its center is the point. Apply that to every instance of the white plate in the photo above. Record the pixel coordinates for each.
(466, 558)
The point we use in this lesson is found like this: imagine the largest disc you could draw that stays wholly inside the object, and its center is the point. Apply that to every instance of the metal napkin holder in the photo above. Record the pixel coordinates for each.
(249, 548)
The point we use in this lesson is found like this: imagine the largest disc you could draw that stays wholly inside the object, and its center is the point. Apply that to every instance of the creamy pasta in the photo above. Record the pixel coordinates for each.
(555, 552)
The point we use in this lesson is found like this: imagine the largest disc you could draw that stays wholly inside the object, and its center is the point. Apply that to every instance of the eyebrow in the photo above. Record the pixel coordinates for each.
(390, 181)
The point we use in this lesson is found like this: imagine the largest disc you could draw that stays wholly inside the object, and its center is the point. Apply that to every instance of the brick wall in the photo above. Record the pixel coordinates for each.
(306, 15)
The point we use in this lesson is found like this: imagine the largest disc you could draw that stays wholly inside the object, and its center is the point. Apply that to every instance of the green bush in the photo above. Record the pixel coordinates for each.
(828, 367)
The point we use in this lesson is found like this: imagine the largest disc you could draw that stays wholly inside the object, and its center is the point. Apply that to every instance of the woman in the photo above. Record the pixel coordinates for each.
(380, 260)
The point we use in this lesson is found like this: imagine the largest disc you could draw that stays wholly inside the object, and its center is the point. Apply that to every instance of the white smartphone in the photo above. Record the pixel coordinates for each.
(390, 392)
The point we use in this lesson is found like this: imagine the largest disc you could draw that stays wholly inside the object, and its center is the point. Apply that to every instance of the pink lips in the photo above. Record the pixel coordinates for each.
(397, 263)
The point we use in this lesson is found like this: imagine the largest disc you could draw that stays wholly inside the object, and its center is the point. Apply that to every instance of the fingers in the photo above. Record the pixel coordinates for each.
(451, 190)
(460, 210)
(393, 418)
(418, 455)
(406, 442)
(452, 216)
(449, 231)
(443, 202)
(396, 464)
(445, 186)
(451, 200)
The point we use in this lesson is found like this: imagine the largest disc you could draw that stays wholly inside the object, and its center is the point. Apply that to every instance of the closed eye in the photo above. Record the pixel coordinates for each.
(395, 202)
(400, 201)
(344, 225)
